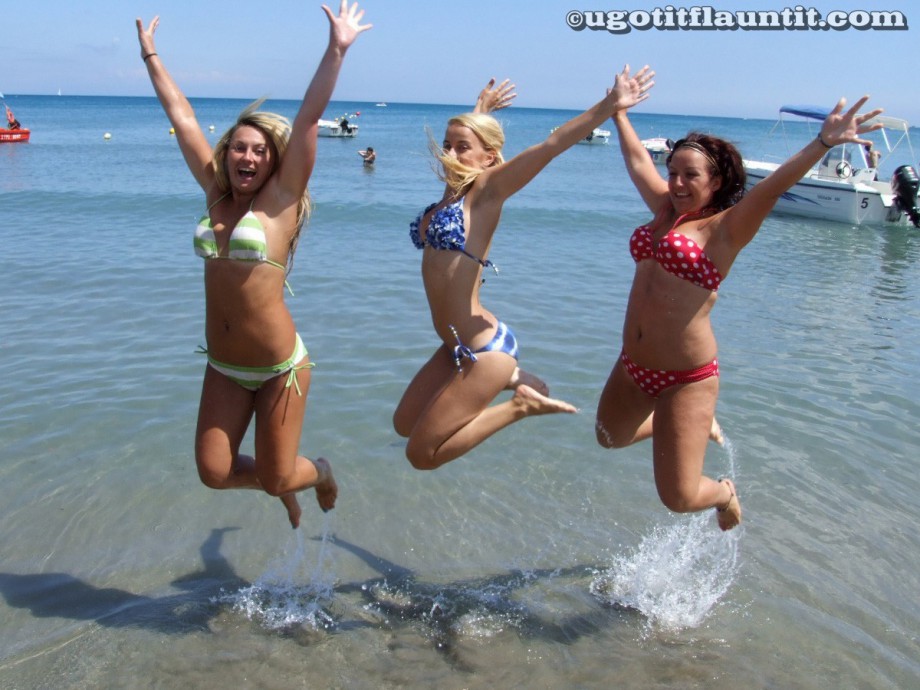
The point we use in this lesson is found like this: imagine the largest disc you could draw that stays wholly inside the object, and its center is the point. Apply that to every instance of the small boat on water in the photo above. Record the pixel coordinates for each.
(844, 186)
(598, 136)
(659, 149)
(341, 128)
(9, 136)
(15, 132)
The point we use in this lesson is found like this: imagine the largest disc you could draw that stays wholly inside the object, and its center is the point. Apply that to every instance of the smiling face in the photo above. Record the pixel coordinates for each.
(690, 180)
(462, 144)
(250, 159)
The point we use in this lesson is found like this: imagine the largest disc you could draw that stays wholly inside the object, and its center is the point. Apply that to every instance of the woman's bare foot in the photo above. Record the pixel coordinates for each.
(293, 509)
(715, 433)
(534, 403)
(326, 488)
(729, 515)
(520, 377)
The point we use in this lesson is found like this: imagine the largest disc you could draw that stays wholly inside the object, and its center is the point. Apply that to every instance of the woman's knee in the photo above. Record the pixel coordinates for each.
(608, 438)
(421, 458)
(677, 500)
(211, 477)
(401, 424)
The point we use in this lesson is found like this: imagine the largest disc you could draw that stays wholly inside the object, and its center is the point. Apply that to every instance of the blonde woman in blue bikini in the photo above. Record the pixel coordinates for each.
(255, 184)
(447, 408)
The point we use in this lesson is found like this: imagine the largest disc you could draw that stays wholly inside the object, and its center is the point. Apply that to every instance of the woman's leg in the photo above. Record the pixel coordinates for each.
(425, 386)
(683, 424)
(281, 472)
(223, 417)
(624, 412)
(459, 417)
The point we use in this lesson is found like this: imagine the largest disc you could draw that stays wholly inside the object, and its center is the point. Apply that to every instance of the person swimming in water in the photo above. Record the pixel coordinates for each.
(446, 409)
(255, 184)
(665, 382)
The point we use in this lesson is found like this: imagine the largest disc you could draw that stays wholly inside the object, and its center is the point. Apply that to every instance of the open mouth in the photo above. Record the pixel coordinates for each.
(246, 173)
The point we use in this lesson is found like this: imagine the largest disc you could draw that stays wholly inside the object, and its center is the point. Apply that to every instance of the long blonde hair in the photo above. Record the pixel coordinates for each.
(487, 129)
(277, 129)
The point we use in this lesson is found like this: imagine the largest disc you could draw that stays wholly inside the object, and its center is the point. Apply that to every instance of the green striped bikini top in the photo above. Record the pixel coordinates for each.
(247, 241)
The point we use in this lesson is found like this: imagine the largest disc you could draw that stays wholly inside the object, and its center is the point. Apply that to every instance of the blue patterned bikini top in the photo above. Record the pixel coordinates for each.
(445, 231)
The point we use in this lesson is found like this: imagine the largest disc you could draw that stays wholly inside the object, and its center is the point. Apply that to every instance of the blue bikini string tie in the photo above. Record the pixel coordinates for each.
(461, 351)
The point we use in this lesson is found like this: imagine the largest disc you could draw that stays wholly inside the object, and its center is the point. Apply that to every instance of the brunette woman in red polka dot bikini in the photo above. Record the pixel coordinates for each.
(665, 383)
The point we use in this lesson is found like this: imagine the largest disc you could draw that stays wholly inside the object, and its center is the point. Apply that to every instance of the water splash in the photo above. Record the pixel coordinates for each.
(289, 594)
(678, 573)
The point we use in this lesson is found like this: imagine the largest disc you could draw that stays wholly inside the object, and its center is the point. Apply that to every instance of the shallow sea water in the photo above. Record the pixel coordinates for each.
(540, 560)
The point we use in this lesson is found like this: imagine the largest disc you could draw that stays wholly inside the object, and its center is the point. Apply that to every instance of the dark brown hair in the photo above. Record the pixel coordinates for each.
(725, 162)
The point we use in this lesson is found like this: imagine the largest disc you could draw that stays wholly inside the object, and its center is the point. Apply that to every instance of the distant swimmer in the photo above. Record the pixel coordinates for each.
(665, 382)
(446, 409)
(368, 155)
(255, 184)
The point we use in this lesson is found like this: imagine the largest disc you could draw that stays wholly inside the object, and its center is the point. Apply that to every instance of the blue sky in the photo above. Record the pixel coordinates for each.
(430, 51)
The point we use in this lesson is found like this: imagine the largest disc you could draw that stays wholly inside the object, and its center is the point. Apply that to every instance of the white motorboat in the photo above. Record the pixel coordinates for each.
(659, 149)
(340, 128)
(598, 136)
(843, 186)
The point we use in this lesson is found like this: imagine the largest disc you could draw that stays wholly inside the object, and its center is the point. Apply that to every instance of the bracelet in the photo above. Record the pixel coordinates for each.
(824, 143)
(150, 55)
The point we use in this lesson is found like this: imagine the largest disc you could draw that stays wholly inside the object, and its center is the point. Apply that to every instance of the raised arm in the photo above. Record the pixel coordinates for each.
(493, 98)
(297, 164)
(192, 141)
(652, 187)
(743, 220)
(504, 180)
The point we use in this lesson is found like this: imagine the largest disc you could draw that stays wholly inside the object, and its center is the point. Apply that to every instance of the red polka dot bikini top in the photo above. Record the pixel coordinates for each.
(677, 254)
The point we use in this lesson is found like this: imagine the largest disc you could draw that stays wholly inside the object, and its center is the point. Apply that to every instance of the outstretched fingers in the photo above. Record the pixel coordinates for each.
(151, 27)
(645, 74)
(347, 25)
(630, 90)
(504, 94)
(493, 98)
(840, 127)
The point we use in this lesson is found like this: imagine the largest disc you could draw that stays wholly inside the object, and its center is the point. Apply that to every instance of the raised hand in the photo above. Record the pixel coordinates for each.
(843, 128)
(344, 29)
(493, 98)
(629, 90)
(145, 36)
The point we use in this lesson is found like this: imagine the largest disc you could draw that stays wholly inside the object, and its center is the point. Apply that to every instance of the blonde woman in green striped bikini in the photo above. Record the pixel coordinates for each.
(255, 183)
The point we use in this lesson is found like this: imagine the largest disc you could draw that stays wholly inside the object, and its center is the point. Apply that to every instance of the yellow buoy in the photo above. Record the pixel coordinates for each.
(172, 130)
